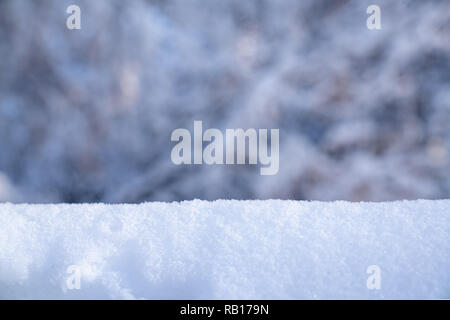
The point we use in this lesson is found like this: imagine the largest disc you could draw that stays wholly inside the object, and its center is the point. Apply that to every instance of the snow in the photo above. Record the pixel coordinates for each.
(269, 249)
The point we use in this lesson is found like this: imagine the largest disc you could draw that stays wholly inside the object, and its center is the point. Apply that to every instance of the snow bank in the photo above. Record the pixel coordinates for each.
(226, 249)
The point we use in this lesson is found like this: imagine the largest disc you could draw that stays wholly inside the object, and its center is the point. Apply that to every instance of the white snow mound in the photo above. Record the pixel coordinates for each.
(225, 250)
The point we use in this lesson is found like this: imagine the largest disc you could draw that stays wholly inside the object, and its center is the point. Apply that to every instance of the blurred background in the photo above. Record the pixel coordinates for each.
(86, 115)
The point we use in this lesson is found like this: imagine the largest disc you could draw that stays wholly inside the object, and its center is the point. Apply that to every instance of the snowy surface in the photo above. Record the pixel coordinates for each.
(226, 249)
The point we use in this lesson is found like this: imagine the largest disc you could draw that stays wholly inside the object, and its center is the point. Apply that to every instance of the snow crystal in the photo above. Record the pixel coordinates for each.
(226, 250)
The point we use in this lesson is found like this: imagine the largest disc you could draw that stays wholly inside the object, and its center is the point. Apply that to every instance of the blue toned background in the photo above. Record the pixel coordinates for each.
(86, 115)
